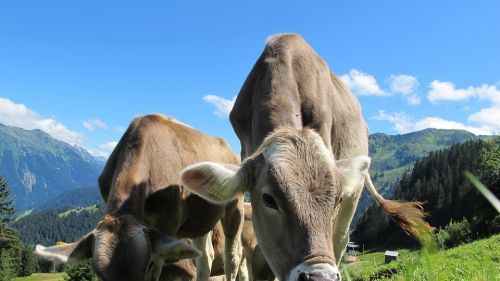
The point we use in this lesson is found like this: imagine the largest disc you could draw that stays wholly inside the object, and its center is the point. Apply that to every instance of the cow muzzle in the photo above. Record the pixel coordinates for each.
(315, 272)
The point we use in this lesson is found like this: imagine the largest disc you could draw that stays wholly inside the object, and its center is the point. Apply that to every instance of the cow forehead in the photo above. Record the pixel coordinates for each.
(286, 144)
(130, 238)
(299, 162)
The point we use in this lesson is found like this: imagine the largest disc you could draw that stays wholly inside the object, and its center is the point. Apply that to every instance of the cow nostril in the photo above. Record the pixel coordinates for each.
(303, 276)
(337, 277)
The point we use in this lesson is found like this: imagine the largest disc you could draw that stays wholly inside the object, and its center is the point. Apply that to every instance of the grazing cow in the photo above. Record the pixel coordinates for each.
(146, 203)
(305, 144)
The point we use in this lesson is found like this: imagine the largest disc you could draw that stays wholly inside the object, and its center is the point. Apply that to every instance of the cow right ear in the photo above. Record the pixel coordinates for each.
(217, 183)
(71, 253)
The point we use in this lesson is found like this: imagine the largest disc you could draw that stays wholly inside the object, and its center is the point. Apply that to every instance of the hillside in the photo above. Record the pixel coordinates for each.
(393, 155)
(79, 197)
(438, 180)
(475, 261)
(39, 167)
(50, 226)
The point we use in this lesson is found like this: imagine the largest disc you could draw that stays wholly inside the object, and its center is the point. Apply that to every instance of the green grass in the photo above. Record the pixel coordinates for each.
(42, 277)
(90, 209)
(479, 260)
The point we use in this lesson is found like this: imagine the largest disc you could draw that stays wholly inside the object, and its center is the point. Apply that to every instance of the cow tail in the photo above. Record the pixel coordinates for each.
(409, 215)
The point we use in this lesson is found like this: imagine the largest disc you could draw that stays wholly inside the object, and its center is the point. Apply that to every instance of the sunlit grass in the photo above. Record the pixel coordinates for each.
(42, 277)
(476, 261)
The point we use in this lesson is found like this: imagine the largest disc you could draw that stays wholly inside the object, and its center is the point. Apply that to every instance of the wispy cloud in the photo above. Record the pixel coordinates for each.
(15, 114)
(362, 84)
(222, 105)
(486, 118)
(103, 150)
(404, 124)
(94, 123)
(120, 129)
(405, 85)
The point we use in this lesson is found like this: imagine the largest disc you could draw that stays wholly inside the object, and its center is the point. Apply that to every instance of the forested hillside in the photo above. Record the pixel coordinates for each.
(51, 226)
(438, 179)
(393, 155)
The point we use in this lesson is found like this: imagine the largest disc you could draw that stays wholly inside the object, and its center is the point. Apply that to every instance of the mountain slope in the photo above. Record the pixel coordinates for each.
(39, 167)
(393, 155)
(50, 226)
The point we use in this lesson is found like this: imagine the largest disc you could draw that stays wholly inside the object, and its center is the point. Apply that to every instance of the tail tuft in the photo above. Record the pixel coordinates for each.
(409, 215)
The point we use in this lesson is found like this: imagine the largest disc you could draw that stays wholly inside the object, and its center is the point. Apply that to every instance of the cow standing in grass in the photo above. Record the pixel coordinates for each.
(146, 206)
(305, 149)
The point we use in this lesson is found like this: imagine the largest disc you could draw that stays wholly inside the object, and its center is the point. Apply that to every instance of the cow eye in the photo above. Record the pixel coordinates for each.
(269, 201)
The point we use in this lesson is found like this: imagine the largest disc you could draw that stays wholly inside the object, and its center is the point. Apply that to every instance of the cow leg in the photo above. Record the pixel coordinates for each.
(243, 272)
(232, 224)
(343, 221)
(204, 263)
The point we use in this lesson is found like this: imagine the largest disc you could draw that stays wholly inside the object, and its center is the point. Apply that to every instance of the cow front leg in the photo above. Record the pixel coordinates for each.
(204, 262)
(243, 272)
(232, 224)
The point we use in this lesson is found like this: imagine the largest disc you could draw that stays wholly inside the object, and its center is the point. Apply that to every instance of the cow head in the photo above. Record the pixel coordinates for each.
(295, 188)
(122, 249)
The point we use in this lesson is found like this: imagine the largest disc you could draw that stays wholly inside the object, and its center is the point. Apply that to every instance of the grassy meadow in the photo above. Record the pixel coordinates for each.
(42, 277)
(476, 261)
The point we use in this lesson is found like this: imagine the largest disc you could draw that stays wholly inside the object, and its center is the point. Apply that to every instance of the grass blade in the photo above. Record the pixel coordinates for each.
(484, 190)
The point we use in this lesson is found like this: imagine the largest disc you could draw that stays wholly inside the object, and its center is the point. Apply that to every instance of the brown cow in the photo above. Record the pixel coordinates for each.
(145, 202)
(305, 146)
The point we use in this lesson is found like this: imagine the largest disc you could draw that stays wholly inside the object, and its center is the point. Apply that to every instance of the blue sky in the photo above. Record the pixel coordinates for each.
(81, 70)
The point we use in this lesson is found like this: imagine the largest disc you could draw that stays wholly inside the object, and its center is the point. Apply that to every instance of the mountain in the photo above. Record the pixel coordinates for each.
(79, 197)
(392, 155)
(39, 167)
(438, 179)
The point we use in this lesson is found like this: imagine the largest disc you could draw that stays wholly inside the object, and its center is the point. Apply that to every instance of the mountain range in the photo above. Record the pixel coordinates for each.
(46, 173)
(38, 167)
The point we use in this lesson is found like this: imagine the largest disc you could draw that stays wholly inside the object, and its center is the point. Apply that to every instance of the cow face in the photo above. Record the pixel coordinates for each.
(122, 249)
(295, 188)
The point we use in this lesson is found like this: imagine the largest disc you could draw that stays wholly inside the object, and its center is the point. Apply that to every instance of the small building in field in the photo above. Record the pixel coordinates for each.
(391, 256)
(351, 259)
(352, 248)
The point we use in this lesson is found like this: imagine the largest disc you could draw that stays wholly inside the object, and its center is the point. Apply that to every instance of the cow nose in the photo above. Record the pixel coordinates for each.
(304, 276)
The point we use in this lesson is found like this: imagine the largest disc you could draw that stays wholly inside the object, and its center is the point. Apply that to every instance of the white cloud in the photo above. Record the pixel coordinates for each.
(362, 83)
(487, 118)
(447, 91)
(103, 150)
(405, 85)
(92, 124)
(18, 115)
(120, 129)
(413, 99)
(401, 121)
(404, 124)
(222, 106)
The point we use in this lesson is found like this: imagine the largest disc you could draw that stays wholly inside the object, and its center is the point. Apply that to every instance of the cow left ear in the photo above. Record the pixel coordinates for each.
(354, 171)
(170, 249)
(217, 183)
(72, 253)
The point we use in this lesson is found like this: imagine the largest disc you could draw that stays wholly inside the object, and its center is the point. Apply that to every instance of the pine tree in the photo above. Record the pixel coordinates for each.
(10, 245)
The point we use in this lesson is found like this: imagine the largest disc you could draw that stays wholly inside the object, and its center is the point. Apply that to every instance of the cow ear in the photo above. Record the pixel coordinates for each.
(217, 183)
(354, 171)
(170, 249)
(71, 253)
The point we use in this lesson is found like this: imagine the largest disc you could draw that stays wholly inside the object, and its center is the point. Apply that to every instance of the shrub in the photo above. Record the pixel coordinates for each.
(81, 272)
(454, 234)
